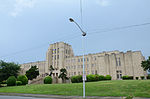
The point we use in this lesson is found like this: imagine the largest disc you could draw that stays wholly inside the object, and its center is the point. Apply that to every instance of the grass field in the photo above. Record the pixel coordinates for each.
(137, 88)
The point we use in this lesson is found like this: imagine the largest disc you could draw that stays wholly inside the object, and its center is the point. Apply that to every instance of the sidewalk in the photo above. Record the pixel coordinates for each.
(63, 97)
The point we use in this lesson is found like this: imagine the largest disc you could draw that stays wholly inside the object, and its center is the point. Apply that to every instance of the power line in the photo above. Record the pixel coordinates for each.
(119, 28)
(70, 37)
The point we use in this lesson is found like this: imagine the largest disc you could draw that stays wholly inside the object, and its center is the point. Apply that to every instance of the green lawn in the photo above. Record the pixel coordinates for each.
(137, 88)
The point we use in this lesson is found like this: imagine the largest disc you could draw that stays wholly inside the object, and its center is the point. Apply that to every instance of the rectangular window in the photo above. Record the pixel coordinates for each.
(57, 56)
(87, 59)
(78, 60)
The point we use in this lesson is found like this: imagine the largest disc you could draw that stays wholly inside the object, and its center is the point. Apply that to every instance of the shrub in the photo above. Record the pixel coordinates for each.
(4, 82)
(127, 77)
(18, 83)
(101, 77)
(90, 78)
(23, 79)
(48, 80)
(11, 81)
(76, 79)
(142, 77)
(137, 78)
(107, 77)
(148, 77)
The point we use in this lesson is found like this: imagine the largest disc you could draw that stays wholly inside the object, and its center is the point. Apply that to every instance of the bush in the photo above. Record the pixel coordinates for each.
(127, 77)
(11, 81)
(23, 79)
(101, 77)
(4, 82)
(18, 83)
(76, 79)
(142, 77)
(137, 78)
(90, 78)
(148, 77)
(107, 77)
(48, 80)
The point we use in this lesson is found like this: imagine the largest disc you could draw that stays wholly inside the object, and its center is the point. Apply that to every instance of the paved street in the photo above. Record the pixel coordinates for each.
(19, 97)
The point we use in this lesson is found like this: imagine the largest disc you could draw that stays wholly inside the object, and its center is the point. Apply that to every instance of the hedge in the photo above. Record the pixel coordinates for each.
(18, 83)
(23, 79)
(76, 79)
(142, 77)
(48, 80)
(11, 81)
(148, 77)
(90, 78)
(127, 77)
(107, 77)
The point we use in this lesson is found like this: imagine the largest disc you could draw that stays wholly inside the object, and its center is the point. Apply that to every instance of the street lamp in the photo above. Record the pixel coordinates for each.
(83, 34)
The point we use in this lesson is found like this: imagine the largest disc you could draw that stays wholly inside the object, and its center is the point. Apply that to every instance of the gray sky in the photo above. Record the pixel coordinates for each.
(27, 27)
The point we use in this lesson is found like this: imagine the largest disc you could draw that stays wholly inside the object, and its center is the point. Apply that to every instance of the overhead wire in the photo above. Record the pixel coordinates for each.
(70, 37)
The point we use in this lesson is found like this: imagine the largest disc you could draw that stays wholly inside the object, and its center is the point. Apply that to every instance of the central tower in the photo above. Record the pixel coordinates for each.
(56, 55)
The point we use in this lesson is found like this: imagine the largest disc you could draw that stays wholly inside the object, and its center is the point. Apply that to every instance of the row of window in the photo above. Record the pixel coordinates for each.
(81, 73)
(80, 66)
(80, 60)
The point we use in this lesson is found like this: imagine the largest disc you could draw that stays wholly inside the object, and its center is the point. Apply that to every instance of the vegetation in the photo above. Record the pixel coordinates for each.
(63, 75)
(107, 77)
(127, 77)
(32, 73)
(18, 83)
(51, 69)
(11, 81)
(76, 79)
(146, 64)
(8, 69)
(90, 78)
(136, 88)
(48, 80)
(23, 79)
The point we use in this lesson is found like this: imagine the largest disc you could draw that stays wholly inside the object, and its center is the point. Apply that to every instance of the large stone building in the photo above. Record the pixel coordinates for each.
(114, 63)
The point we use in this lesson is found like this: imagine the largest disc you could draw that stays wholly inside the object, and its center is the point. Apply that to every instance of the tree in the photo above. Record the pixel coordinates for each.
(146, 64)
(32, 73)
(51, 69)
(63, 74)
(8, 69)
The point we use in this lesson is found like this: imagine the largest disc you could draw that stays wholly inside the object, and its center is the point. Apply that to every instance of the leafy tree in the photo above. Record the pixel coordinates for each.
(51, 69)
(146, 64)
(32, 73)
(8, 69)
(63, 74)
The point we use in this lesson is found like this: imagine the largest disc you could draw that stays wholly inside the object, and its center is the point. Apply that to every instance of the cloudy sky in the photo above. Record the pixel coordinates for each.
(27, 27)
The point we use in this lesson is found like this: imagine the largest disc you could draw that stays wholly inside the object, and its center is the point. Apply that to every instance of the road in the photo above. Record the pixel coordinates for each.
(19, 97)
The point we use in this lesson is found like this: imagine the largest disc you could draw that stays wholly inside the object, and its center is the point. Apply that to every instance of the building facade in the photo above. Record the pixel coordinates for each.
(114, 63)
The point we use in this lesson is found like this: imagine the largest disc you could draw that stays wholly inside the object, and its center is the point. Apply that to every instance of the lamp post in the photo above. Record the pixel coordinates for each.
(83, 34)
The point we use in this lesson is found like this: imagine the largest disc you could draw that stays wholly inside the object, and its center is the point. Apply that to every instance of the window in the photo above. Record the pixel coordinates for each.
(87, 59)
(78, 60)
(55, 51)
(118, 62)
(81, 59)
(57, 56)
(74, 73)
(58, 50)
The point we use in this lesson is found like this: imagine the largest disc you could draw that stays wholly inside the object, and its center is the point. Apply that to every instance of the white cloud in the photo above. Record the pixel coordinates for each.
(20, 5)
(103, 2)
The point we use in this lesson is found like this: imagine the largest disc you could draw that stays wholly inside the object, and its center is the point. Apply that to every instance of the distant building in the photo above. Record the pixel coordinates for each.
(114, 63)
